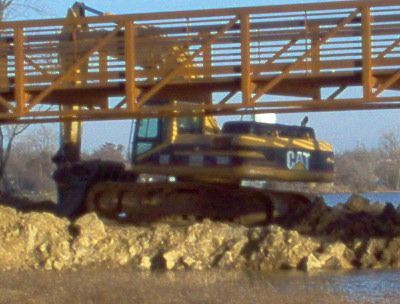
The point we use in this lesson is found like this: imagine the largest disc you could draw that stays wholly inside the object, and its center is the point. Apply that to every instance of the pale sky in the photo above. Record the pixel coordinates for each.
(344, 130)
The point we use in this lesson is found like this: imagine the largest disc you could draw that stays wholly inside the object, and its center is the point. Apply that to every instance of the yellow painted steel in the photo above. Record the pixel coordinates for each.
(232, 146)
(210, 125)
(239, 173)
(20, 92)
(71, 131)
(249, 154)
(282, 142)
(366, 29)
(242, 53)
(130, 57)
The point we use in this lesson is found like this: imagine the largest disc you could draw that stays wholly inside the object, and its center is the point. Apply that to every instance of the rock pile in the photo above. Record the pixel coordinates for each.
(357, 218)
(357, 234)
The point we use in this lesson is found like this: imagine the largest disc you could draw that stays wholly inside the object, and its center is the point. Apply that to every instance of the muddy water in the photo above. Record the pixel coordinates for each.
(128, 286)
(372, 286)
(383, 197)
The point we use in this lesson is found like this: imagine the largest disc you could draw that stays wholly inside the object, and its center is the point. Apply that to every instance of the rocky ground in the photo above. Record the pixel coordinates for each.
(358, 234)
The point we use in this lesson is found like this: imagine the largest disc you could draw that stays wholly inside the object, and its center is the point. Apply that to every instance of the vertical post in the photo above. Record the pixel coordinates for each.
(245, 53)
(366, 31)
(71, 136)
(315, 49)
(4, 84)
(207, 61)
(103, 67)
(19, 70)
(130, 86)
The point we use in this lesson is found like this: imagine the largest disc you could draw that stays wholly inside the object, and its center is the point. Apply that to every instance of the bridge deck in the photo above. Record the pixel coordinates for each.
(229, 61)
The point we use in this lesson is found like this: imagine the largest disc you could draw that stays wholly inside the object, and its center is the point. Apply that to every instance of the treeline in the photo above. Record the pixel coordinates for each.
(29, 167)
(374, 169)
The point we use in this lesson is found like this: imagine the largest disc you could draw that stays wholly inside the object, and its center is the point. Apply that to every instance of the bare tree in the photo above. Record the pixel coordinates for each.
(20, 8)
(41, 139)
(9, 133)
(355, 169)
(109, 151)
(30, 167)
(388, 169)
(4, 5)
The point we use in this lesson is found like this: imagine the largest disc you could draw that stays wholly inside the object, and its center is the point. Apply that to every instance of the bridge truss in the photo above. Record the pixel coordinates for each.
(283, 59)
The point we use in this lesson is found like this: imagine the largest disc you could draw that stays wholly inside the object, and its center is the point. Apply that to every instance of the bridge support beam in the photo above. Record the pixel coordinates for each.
(367, 78)
(246, 85)
(70, 138)
(316, 49)
(4, 81)
(20, 96)
(207, 61)
(130, 86)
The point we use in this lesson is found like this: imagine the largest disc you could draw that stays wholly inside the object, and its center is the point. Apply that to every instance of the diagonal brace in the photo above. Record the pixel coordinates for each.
(389, 49)
(283, 50)
(227, 97)
(36, 66)
(5, 103)
(169, 76)
(387, 84)
(266, 88)
(67, 74)
(336, 93)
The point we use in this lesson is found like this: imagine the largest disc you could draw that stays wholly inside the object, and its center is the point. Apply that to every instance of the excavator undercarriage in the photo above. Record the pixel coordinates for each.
(115, 193)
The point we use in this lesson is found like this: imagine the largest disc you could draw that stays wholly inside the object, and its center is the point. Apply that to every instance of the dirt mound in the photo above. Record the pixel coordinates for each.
(357, 218)
(355, 234)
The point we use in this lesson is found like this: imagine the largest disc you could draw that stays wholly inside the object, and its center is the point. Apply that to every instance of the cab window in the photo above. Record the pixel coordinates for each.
(191, 125)
(143, 147)
(147, 137)
(148, 128)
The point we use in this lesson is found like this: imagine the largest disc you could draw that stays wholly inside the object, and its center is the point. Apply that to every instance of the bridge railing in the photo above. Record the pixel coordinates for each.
(247, 54)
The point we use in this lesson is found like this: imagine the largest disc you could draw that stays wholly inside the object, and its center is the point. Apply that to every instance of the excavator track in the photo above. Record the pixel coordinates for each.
(188, 202)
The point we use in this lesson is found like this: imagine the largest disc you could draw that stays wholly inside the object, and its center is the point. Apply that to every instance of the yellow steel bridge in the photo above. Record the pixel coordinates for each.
(69, 69)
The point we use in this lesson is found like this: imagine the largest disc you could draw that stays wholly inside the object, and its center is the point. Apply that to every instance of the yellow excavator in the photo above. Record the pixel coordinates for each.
(187, 169)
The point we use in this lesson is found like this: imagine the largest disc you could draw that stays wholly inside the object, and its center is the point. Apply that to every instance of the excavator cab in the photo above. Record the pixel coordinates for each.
(150, 133)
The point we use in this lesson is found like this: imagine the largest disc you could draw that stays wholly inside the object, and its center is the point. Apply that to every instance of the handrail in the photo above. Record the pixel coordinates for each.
(330, 5)
(245, 54)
